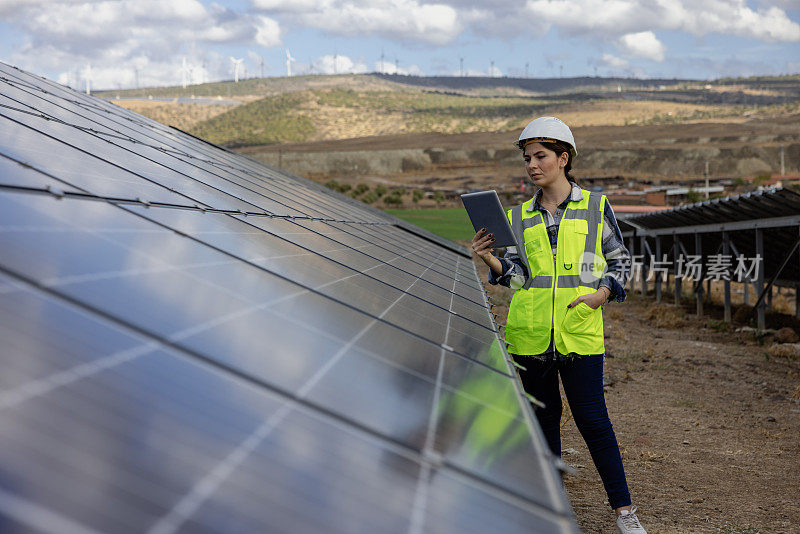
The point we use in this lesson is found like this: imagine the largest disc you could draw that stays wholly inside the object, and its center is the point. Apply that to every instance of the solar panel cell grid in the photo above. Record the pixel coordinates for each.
(171, 369)
(145, 144)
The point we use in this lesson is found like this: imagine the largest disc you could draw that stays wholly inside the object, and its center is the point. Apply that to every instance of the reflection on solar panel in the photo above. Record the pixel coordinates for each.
(194, 342)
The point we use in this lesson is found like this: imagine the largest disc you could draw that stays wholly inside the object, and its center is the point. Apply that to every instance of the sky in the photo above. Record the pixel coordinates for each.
(145, 43)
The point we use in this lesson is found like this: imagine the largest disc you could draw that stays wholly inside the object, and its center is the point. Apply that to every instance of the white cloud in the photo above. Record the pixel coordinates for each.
(297, 6)
(412, 20)
(268, 32)
(59, 37)
(488, 73)
(611, 18)
(117, 37)
(642, 44)
(440, 22)
(390, 68)
(613, 62)
(336, 64)
(146, 73)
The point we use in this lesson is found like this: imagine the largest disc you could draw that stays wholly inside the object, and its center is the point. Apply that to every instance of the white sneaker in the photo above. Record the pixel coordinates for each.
(628, 523)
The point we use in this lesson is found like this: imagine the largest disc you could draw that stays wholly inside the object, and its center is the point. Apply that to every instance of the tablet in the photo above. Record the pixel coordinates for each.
(485, 211)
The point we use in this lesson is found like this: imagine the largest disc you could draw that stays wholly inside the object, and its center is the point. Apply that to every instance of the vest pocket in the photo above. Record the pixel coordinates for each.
(581, 319)
(533, 245)
(572, 235)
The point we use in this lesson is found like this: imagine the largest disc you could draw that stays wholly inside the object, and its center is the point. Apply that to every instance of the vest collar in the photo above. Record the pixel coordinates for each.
(576, 195)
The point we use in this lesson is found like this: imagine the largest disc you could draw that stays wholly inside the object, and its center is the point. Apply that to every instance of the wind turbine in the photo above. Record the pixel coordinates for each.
(88, 77)
(289, 60)
(184, 71)
(236, 63)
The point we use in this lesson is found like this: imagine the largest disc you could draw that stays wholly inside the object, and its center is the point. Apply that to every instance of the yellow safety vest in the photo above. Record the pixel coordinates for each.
(555, 281)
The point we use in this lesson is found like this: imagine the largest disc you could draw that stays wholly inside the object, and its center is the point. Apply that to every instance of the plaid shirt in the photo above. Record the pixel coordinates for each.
(617, 257)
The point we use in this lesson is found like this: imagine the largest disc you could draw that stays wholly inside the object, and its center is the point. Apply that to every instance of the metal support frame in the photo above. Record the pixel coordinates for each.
(797, 301)
(675, 253)
(769, 298)
(750, 224)
(726, 246)
(671, 251)
(763, 290)
(698, 286)
(768, 290)
(761, 321)
(708, 282)
(647, 248)
(658, 272)
(645, 270)
(746, 283)
(631, 251)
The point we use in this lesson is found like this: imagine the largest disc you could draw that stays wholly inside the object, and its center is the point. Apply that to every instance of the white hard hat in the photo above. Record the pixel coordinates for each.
(546, 129)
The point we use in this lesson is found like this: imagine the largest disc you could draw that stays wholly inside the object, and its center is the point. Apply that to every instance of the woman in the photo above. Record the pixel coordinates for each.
(572, 261)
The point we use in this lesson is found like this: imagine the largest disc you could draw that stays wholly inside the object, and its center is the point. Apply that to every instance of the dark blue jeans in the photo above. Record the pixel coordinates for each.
(582, 377)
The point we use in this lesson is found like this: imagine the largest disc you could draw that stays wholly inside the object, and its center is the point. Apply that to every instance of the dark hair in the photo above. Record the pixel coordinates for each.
(559, 147)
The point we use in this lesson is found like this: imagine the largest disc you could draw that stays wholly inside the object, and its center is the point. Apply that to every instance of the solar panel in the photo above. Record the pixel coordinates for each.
(192, 341)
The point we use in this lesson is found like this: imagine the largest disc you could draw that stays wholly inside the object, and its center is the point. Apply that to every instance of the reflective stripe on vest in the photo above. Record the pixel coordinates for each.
(518, 229)
(577, 268)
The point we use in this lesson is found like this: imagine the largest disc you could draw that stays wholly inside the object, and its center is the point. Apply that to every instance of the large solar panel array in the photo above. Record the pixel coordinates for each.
(191, 341)
(774, 212)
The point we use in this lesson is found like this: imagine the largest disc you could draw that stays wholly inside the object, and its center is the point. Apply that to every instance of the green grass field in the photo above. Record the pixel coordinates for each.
(450, 223)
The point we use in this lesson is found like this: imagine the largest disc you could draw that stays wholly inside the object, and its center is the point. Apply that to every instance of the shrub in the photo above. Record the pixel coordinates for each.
(370, 197)
(380, 190)
(761, 178)
(393, 198)
(360, 189)
(693, 196)
(417, 195)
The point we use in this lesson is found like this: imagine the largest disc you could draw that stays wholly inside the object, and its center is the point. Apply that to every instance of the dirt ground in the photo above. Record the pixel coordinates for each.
(180, 115)
(727, 132)
(707, 421)
(614, 155)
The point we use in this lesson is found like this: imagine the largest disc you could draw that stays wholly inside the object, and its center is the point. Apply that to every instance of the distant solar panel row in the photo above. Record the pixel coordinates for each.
(194, 342)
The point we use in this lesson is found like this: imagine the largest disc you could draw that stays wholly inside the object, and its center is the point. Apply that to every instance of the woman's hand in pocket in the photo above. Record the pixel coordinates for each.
(593, 300)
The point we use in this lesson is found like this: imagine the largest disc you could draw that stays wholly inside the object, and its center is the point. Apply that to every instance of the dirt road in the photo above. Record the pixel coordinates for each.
(708, 426)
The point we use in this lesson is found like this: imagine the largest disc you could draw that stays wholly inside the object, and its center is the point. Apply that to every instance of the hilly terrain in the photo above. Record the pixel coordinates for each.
(319, 108)
(452, 133)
